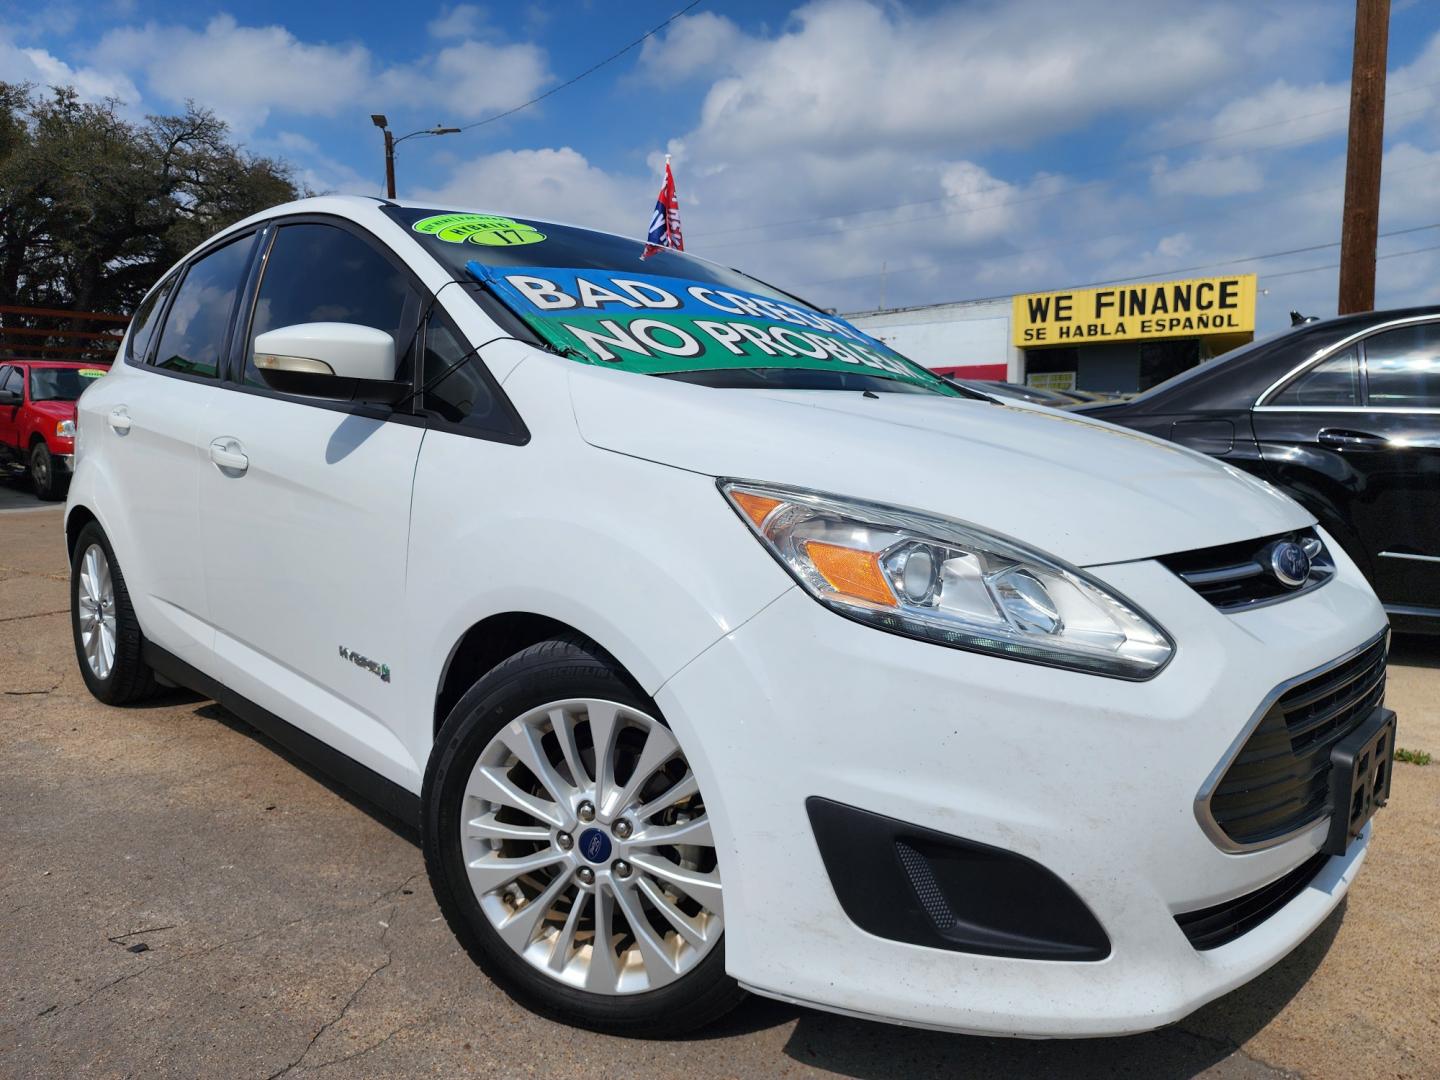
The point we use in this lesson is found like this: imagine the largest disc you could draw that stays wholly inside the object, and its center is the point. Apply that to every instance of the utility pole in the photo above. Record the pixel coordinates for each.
(1361, 225)
(378, 119)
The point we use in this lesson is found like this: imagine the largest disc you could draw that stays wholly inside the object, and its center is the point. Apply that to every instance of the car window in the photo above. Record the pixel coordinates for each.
(59, 384)
(1402, 366)
(143, 322)
(466, 395)
(10, 379)
(320, 273)
(199, 318)
(1333, 381)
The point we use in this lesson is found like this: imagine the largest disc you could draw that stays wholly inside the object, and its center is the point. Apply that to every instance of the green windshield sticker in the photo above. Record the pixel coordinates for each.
(92, 372)
(486, 229)
(657, 324)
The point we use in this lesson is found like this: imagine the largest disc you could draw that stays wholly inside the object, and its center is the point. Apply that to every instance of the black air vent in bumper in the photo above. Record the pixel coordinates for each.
(907, 883)
(1234, 577)
(1279, 780)
(1211, 927)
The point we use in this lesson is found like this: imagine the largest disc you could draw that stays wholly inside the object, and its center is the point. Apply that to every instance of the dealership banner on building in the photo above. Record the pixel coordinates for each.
(1199, 307)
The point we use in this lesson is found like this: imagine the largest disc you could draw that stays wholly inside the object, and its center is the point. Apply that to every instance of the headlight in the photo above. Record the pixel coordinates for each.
(939, 580)
(65, 429)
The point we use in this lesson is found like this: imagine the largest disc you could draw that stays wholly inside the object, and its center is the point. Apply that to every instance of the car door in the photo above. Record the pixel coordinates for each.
(305, 509)
(11, 380)
(149, 426)
(1366, 461)
(1395, 444)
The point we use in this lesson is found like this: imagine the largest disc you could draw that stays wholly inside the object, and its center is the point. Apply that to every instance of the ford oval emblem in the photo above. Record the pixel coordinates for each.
(595, 845)
(1289, 564)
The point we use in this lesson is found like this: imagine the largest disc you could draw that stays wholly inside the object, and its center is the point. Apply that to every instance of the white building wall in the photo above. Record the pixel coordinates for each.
(948, 335)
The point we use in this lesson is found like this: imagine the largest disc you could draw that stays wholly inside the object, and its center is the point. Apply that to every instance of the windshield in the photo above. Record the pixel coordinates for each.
(60, 384)
(614, 302)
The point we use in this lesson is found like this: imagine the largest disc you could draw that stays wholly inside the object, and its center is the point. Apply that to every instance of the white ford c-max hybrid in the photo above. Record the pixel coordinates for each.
(712, 645)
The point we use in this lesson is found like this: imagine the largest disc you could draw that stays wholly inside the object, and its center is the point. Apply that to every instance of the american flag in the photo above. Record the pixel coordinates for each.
(665, 222)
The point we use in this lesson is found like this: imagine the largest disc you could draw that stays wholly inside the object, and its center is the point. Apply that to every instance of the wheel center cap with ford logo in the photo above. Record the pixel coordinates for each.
(1289, 564)
(594, 845)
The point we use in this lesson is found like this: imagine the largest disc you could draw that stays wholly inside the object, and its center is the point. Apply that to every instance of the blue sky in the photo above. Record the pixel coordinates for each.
(847, 149)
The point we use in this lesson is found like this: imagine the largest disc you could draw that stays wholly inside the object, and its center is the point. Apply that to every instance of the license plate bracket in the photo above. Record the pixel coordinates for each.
(1360, 767)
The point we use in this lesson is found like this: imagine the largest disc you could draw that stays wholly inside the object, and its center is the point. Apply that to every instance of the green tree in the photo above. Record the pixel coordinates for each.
(94, 208)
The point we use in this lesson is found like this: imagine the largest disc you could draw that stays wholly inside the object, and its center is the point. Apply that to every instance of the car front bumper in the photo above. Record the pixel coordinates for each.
(1095, 779)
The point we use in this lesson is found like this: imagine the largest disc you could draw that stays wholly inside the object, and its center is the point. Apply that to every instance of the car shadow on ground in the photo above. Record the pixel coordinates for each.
(868, 1050)
(209, 710)
(17, 494)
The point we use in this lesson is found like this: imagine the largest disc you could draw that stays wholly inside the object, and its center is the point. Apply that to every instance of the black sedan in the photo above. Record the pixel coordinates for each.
(1343, 415)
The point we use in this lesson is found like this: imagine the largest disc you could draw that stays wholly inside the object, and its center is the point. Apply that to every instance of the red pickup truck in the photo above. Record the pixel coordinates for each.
(37, 419)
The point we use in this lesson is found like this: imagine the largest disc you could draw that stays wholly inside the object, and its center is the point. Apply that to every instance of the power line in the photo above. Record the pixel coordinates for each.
(1336, 266)
(588, 71)
(1247, 259)
(1139, 156)
(1224, 262)
(1042, 197)
(1071, 242)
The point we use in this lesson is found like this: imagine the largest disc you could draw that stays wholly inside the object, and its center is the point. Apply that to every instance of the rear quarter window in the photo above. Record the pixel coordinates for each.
(144, 321)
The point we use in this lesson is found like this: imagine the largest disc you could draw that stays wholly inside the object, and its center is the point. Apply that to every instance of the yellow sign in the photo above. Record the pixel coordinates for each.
(1152, 309)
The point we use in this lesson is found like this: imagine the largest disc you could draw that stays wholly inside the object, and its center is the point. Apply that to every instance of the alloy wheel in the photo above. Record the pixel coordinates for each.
(589, 850)
(96, 601)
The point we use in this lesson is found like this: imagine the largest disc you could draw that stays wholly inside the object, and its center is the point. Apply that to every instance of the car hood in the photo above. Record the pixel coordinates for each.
(58, 410)
(1087, 492)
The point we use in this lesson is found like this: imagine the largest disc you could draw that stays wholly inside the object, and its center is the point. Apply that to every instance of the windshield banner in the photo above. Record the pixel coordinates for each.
(656, 324)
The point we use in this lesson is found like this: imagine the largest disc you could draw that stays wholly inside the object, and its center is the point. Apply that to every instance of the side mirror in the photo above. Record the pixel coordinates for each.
(10, 397)
(338, 361)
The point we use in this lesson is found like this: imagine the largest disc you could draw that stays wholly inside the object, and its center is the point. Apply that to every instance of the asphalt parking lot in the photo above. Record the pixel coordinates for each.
(180, 898)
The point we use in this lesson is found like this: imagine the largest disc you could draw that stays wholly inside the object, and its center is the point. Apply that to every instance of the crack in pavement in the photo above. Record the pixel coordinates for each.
(361, 1052)
(389, 959)
(28, 693)
(344, 1009)
(159, 965)
(34, 615)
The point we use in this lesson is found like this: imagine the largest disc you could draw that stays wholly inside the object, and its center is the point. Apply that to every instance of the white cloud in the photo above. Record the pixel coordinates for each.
(694, 47)
(1283, 114)
(469, 79)
(242, 72)
(1174, 246)
(846, 71)
(462, 20)
(317, 171)
(19, 65)
(556, 184)
(1210, 177)
(245, 73)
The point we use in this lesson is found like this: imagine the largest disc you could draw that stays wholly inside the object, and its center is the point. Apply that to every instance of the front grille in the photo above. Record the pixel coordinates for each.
(1212, 927)
(1238, 576)
(1279, 781)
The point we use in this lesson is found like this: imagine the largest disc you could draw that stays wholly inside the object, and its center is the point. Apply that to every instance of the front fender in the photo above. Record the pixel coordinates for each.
(647, 560)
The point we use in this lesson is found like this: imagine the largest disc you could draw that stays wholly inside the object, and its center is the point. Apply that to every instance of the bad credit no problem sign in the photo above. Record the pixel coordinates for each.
(1154, 309)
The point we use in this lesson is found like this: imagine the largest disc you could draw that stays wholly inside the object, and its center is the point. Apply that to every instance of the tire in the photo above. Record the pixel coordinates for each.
(124, 678)
(47, 484)
(571, 676)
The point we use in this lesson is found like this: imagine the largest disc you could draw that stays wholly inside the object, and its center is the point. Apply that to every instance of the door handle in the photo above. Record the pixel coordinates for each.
(120, 419)
(1351, 440)
(227, 452)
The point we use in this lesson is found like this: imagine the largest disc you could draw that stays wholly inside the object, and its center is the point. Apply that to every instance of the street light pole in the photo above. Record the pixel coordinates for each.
(389, 164)
(379, 120)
